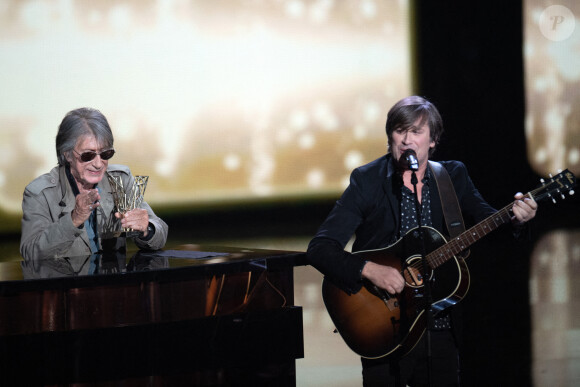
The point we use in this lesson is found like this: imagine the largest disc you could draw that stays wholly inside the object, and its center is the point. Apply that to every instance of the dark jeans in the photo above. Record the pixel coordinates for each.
(413, 369)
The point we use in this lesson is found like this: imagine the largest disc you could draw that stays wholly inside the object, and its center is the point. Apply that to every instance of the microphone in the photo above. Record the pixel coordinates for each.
(410, 158)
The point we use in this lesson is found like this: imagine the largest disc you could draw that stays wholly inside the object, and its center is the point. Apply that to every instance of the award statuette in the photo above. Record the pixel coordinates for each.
(127, 200)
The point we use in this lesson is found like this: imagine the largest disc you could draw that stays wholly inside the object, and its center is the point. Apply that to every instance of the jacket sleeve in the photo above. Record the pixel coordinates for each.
(159, 238)
(44, 233)
(473, 206)
(326, 250)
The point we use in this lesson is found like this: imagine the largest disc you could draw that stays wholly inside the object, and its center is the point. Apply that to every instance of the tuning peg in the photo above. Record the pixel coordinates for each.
(553, 200)
(542, 181)
(571, 192)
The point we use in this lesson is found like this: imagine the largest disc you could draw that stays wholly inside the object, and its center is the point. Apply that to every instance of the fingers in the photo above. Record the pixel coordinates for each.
(396, 282)
(524, 208)
(394, 288)
(384, 277)
(519, 198)
(85, 203)
(137, 219)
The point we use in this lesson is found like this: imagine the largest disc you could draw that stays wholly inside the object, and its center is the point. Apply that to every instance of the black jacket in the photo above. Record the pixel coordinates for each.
(370, 209)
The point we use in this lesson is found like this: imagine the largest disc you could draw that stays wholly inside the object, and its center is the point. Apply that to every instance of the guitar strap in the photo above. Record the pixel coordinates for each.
(449, 202)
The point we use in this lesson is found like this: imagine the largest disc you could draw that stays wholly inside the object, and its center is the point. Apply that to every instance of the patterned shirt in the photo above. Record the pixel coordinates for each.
(408, 210)
(409, 222)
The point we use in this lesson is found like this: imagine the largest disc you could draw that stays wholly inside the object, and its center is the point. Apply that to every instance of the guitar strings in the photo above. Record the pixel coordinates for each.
(446, 251)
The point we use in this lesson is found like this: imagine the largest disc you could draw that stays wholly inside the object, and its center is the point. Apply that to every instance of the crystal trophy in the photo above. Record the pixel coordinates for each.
(128, 199)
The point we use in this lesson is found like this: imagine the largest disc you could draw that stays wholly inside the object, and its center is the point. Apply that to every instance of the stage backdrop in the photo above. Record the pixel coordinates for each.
(552, 79)
(214, 100)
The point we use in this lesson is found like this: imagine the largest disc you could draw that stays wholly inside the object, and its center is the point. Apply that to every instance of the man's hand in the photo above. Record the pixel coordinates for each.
(137, 219)
(85, 203)
(524, 209)
(385, 277)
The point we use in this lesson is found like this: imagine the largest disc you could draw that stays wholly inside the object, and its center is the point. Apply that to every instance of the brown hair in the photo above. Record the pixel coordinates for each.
(407, 111)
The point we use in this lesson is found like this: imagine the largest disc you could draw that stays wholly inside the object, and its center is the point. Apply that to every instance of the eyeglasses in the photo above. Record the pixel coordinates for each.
(90, 155)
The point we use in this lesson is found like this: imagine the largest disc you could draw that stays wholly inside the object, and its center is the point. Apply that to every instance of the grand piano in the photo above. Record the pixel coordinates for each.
(195, 315)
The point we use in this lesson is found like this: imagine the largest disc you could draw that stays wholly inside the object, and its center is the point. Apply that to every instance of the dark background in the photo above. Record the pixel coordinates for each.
(470, 64)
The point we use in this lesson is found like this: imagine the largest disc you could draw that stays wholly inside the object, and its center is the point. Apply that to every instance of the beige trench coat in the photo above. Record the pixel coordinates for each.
(47, 228)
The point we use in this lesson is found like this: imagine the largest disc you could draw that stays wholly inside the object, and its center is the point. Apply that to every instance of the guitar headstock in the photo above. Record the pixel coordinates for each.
(558, 185)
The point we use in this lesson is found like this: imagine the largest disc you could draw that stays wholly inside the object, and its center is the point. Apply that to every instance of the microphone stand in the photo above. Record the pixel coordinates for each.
(428, 297)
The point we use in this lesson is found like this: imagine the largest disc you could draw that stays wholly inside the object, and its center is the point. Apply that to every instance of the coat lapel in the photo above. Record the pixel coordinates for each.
(436, 210)
(390, 188)
(68, 200)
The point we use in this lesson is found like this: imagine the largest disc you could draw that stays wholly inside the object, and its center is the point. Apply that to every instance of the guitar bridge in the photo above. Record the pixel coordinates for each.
(413, 276)
(390, 301)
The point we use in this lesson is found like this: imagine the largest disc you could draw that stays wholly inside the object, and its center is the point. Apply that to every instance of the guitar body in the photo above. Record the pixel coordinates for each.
(375, 324)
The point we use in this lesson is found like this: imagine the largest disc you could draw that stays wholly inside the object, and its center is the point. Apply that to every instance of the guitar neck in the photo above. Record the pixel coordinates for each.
(461, 242)
(557, 186)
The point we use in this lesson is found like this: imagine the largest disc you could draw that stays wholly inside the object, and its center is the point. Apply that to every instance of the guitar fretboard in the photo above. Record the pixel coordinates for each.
(461, 242)
(558, 185)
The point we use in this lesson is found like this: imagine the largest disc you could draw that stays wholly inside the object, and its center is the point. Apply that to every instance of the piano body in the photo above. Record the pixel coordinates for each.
(196, 315)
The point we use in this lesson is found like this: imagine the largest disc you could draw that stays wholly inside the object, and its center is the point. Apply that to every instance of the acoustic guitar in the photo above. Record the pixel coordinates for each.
(375, 324)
